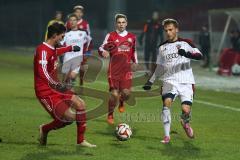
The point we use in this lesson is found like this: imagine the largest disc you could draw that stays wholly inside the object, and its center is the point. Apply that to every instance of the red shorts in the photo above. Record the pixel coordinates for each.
(119, 84)
(56, 104)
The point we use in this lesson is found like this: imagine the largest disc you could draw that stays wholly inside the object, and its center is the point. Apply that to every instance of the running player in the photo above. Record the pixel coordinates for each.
(173, 65)
(120, 45)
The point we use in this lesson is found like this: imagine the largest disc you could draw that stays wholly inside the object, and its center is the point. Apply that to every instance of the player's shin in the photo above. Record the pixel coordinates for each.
(186, 116)
(166, 118)
(81, 124)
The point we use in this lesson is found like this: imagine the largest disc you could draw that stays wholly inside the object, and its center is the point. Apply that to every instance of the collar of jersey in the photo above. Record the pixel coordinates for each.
(48, 45)
(122, 34)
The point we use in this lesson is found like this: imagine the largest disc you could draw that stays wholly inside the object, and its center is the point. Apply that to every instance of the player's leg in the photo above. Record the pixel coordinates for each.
(57, 123)
(166, 115)
(125, 90)
(72, 77)
(169, 93)
(112, 102)
(66, 70)
(186, 96)
(83, 70)
(77, 112)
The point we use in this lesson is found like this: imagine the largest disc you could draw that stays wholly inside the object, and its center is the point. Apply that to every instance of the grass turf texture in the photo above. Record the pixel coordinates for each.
(217, 130)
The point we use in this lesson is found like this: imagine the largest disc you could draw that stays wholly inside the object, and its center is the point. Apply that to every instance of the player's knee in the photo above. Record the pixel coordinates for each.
(114, 95)
(167, 102)
(168, 99)
(186, 107)
(80, 104)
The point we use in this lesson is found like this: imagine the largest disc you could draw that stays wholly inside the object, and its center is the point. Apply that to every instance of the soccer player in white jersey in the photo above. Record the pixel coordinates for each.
(72, 61)
(173, 68)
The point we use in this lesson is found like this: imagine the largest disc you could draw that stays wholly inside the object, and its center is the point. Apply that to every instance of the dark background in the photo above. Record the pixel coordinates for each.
(23, 22)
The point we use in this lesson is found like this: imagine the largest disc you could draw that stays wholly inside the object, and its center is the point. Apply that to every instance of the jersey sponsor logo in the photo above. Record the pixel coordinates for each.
(171, 56)
(124, 48)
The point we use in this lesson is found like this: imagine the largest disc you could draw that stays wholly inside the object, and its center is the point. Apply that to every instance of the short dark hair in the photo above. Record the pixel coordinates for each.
(170, 21)
(55, 28)
(117, 16)
(72, 15)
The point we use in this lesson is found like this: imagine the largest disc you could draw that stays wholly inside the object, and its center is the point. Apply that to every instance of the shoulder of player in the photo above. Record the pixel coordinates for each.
(82, 30)
(163, 43)
(130, 34)
(85, 21)
(188, 41)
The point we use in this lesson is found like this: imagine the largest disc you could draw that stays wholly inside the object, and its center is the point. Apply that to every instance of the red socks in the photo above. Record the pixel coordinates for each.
(55, 124)
(81, 125)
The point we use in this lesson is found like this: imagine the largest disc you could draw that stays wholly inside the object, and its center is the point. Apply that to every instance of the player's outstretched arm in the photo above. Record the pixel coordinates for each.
(191, 55)
(62, 50)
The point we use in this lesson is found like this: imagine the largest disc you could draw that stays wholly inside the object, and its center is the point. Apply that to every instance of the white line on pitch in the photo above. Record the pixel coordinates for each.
(218, 105)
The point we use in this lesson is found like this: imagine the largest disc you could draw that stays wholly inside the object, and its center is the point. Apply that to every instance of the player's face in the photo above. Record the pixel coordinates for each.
(78, 13)
(171, 32)
(73, 22)
(121, 24)
(59, 38)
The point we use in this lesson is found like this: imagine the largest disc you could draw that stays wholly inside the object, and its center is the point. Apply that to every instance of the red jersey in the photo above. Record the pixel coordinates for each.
(122, 55)
(45, 68)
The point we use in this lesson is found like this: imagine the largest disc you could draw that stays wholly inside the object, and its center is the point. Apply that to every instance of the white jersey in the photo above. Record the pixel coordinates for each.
(79, 38)
(172, 67)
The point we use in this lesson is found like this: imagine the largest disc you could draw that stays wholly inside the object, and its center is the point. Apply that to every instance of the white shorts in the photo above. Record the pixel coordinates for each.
(72, 65)
(183, 90)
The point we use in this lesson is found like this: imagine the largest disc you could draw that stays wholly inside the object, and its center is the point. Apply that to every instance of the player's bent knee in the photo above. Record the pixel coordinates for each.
(78, 103)
(114, 95)
(186, 106)
(167, 102)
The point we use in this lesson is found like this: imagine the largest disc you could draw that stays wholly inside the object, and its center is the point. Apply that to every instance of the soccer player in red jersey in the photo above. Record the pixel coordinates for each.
(60, 103)
(120, 45)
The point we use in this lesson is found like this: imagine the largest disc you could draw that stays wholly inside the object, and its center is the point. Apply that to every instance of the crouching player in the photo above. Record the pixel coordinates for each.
(173, 65)
(120, 45)
(61, 104)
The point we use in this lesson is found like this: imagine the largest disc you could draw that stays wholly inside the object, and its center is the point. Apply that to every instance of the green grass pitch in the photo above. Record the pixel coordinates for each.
(217, 129)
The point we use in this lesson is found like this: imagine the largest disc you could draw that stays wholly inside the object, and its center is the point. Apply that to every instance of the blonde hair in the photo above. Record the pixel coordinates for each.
(170, 21)
(119, 15)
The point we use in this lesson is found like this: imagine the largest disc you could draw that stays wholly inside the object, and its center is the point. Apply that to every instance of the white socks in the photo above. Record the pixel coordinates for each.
(166, 118)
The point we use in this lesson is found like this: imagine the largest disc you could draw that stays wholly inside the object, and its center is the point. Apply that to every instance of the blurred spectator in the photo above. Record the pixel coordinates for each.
(58, 18)
(152, 35)
(204, 42)
(235, 40)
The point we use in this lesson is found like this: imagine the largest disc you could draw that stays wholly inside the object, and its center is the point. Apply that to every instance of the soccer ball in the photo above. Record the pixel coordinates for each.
(236, 70)
(123, 132)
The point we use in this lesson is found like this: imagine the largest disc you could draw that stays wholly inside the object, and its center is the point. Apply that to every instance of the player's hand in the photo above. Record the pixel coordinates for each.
(76, 48)
(61, 87)
(105, 54)
(182, 52)
(147, 86)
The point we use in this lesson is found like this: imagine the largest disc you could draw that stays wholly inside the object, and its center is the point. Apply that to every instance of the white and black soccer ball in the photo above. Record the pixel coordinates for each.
(123, 132)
